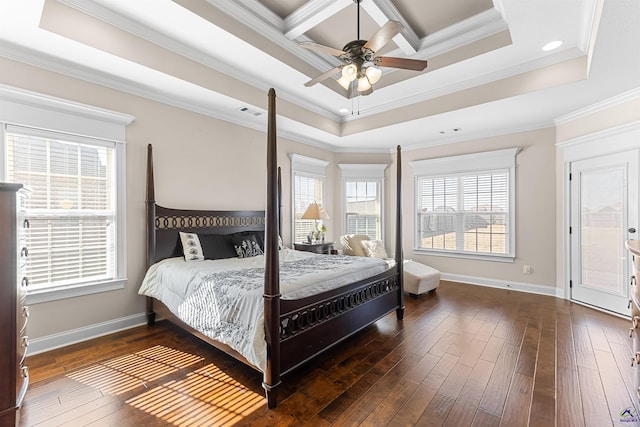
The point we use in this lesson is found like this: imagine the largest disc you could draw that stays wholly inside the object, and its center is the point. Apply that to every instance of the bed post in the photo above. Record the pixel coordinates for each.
(272, 267)
(151, 228)
(279, 202)
(399, 260)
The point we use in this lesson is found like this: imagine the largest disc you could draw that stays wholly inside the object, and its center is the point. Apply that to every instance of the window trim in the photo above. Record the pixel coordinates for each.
(468, 163)
(28, 109)
(309, 167)
(363, 172)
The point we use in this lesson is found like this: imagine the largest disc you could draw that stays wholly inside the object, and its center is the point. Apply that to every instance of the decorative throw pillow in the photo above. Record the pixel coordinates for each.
(217, 246)
(374, 248)
(351, 244)
(247, 246)
(191, 247)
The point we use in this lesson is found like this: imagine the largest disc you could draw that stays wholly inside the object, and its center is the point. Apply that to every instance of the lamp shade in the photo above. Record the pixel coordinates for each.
(315, 211)
(373, 74)
(350, 72)
(363, 84)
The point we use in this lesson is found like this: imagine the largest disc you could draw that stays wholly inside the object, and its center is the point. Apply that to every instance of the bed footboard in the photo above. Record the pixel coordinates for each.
(310, 326)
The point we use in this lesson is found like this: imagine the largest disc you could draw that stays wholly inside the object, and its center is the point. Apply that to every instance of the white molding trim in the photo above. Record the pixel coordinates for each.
(505, 284)
(605, 104)
(363, 170)
(26, 108)
(497, 159)
(591, 145)
(63, 339)
(300, 163)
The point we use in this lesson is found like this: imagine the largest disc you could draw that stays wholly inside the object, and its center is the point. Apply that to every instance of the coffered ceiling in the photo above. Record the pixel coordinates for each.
(487, 72)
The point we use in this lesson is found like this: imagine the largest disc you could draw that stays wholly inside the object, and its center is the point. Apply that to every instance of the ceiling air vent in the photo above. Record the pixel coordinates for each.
(251, 111)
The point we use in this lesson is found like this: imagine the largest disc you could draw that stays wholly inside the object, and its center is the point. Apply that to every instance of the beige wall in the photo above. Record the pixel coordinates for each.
(199, 162)
(202, 162)
(535, 210)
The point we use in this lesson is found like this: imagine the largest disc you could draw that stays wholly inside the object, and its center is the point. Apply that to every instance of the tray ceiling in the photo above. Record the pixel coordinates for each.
(487, 73)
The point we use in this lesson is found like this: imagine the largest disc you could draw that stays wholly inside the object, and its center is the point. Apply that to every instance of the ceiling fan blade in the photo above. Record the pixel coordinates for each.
(404, 63)
(322, 48)
(323, 76)
(383, 35)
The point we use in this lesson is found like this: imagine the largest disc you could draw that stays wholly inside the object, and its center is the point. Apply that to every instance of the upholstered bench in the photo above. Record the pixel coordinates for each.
(419, 278)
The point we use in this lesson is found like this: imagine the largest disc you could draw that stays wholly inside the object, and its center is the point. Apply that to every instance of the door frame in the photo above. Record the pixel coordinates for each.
(610, 141)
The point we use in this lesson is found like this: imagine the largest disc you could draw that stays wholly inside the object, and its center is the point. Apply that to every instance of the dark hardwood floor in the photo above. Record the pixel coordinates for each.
(465, 356)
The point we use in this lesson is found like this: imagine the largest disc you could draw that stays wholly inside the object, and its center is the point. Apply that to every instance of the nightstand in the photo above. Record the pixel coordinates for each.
(318, 248)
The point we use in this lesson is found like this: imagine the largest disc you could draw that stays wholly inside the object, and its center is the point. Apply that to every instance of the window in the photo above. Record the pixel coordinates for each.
(465, 209)
(363, 207)
(76, 210)
(308, 187)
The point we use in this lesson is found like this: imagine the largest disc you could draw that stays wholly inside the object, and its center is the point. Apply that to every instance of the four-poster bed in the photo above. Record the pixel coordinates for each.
(296, 327)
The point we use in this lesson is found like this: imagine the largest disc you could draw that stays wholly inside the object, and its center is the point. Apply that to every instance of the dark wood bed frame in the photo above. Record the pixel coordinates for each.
(295, 330)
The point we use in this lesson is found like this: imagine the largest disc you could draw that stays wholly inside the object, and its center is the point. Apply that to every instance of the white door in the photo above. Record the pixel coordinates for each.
(604, 213)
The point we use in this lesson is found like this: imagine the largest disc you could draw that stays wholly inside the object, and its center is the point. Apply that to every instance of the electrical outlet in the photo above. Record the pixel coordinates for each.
(526, 269)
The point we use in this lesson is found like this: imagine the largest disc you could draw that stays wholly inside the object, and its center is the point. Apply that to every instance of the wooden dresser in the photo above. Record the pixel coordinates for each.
(14, 376)
(634, 304)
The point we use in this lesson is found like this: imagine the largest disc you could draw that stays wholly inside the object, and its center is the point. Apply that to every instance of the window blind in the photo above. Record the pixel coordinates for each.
(72, 206)
(307, 189)
(464, 212)
(363, 207)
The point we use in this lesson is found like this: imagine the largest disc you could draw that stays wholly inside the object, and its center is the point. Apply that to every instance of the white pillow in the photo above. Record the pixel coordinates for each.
(374, 248)
(191, 247)
(351, 244)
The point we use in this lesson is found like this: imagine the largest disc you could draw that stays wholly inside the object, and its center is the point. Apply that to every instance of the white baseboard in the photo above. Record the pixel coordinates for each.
(516, 286)
(62, 339)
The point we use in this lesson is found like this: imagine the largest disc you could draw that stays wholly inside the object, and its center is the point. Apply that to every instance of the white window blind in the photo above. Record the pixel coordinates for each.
(72, 206)
(307, 189)
(307, 180)
(363, 207)
(465, 204)
(363, 201)
(464, 213)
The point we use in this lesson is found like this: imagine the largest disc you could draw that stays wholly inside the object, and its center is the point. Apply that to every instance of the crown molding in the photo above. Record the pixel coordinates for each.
(627, 128)
(605, 104)
(476, 80)
(146, 33)
(462, 33)
(34, 99)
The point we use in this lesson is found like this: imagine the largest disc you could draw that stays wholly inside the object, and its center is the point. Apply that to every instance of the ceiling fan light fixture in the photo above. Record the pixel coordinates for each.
(363, 84)
(344, 82)
(350, 72)
(373, 74)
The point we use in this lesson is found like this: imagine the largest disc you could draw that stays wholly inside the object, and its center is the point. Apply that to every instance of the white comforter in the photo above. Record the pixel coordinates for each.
(223, 298)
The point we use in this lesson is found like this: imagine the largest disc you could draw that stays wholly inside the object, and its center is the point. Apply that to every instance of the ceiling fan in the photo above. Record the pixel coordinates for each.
(360, 69)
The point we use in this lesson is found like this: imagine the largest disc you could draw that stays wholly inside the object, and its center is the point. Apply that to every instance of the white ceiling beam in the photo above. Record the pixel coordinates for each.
(382, 11)
(312, 14)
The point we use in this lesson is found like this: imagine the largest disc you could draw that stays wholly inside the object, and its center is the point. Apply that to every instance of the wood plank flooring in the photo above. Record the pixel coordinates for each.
(465, 356)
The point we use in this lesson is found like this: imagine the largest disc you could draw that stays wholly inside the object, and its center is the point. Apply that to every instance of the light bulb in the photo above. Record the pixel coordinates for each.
(373, 74)
(344, 83)
(349, 72)
(363, 84)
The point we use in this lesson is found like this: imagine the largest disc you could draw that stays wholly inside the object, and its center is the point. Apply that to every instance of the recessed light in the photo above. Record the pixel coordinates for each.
(552, 45)
(343, 110)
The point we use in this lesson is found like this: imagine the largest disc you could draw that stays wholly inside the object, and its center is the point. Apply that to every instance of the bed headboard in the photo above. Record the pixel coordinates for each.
(164, 224)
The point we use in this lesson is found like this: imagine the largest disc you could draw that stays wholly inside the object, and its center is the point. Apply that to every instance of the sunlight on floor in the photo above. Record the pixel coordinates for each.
(125, 373)
(207, 396)
(204, 397)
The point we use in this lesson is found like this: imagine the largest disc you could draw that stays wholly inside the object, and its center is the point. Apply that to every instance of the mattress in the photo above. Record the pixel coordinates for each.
(223, 299)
